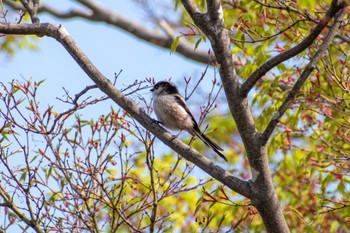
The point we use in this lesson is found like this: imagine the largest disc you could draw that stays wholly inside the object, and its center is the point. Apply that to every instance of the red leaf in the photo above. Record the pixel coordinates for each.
(243, 30)
(327, 111)
(320, 148)
(41, 152)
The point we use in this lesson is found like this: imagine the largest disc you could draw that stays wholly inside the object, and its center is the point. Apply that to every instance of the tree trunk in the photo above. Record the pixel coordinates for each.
(264, 196)
(272, 215)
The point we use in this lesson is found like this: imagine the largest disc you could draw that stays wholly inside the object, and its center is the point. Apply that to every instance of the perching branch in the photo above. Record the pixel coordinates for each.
(62, 36)
(303, 77)
(273, 62)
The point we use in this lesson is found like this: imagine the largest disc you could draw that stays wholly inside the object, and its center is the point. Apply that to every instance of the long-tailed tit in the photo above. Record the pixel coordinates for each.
(172, 112)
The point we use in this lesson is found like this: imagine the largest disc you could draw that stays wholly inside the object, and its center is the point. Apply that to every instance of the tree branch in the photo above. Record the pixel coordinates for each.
(343, 38)
(215, 10)
(62, 36)
(220, 41)
(191, 8)
(32, 9)
(8, 202)
(262, 70)
(287, 8)
(100, 13)
(264, 38)
(303, 77)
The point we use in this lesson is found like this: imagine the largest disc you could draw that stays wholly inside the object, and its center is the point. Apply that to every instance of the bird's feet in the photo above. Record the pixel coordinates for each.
(157, 122)
(173, 137)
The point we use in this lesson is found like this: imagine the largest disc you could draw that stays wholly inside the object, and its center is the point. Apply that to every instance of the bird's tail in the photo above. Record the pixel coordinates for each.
(211, 144)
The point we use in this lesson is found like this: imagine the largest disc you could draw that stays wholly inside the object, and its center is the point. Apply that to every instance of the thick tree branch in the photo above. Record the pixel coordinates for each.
(215, 10)
(62, 36)
(303, 77)
(220, 41)
(191, 8)
(273, 62)
(99, 13)
(264, 197)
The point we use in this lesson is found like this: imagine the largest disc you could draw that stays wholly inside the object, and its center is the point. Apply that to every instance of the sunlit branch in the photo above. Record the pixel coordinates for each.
(273, 62)
(303, 77)
(264, 38)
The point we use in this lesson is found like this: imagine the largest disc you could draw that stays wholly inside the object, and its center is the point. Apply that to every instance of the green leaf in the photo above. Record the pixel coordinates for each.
(177, 2)
(242, 39)
(49, 172)
(24, 175)
(175, 44)
(198, 205)
(198, 42)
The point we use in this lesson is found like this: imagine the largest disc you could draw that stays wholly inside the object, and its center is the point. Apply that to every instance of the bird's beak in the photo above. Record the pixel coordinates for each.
(152, 89)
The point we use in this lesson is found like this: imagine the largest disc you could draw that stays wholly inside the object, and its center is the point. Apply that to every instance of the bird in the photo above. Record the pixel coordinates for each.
(173, 113)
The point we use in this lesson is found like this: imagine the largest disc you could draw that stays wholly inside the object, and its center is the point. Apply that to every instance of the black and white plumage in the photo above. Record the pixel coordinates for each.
(172, 112)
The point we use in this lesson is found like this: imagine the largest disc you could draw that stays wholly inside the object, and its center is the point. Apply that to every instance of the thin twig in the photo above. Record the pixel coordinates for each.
(303, 77)
(273, 62)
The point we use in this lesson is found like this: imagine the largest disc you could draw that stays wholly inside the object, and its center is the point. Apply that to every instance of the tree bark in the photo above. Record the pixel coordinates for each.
(264, 196)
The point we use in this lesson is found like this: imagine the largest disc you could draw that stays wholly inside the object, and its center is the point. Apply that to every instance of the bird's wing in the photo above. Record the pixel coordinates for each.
(180, 100)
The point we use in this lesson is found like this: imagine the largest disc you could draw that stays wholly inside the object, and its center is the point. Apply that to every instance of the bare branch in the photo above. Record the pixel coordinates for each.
(73, 13)
(32, 8)
(303, 77)
(99, 13)
(262, 70)
(343, 38)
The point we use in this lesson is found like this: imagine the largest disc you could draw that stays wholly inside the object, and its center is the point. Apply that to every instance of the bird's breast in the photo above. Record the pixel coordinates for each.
(171, 114)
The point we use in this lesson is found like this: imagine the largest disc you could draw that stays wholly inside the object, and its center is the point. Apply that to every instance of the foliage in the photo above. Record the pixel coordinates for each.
(11, 44)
